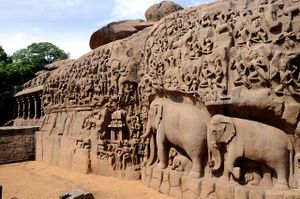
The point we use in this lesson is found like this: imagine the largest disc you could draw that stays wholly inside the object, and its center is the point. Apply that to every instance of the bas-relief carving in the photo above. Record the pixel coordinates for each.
(252, 140)
(185, 97)
(172, 125)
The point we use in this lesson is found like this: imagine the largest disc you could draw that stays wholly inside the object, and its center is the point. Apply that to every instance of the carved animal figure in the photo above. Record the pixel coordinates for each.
(253, 140)
(180, 125)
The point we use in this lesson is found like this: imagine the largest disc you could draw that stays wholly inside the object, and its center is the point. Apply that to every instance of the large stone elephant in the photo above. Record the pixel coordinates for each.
(252, 140)
(182, 126)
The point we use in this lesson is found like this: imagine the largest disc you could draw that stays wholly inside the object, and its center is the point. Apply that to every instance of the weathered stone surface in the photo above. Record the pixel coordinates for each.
(191, 184)
(148, 175)
(81, 161)
(241, 192)
(115, 31)
(224, 190)
(57, 64)
(17, 144)
(175, 192)
(256, 194)
(160, 10)
(207, 188)
(165, 187)
(175, 178)
(165, 184)
(157, 176)
(76, 194)
(274, 194)
(292, 194)
(188, 194)
(291, 113)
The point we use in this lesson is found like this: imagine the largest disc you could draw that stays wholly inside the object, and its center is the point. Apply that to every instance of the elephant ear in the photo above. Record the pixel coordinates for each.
(229, 131)
(158, 114)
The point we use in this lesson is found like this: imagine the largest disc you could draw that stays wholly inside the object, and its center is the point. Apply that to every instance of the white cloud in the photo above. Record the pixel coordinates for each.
(131, 9)
(76, 44)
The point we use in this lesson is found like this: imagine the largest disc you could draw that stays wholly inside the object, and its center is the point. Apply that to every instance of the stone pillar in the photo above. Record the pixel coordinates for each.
(40, 96)
(23, 108)
(28, 107)
(18, 107)
(35, 108)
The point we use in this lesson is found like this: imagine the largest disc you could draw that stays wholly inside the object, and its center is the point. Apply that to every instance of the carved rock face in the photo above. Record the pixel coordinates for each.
(159, 10)
(233, 58)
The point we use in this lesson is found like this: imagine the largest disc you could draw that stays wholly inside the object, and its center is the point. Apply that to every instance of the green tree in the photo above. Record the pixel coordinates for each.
(38, 55)
(24, 63)
(4, 58)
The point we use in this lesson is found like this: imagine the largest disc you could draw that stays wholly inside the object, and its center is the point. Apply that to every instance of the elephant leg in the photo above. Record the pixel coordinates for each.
(162, 149)
(228, 166)
(266, 178)
(196, 167)
(282, 174)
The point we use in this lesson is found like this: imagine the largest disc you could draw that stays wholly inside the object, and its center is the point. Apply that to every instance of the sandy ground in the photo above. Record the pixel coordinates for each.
(30, 180)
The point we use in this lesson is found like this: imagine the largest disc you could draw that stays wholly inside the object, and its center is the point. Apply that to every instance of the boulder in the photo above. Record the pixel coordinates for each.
(57, 64)
(115, 31)
(160, 10)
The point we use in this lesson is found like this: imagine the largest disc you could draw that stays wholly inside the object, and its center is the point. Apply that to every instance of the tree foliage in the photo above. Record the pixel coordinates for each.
(24, 63)
(3, 55)
(39, 54)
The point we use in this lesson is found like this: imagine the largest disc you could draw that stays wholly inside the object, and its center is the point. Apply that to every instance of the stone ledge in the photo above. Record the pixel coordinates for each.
(182, 186)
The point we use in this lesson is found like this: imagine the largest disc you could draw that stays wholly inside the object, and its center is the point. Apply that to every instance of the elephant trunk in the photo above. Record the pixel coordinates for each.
(148, 131)
(152, 144)
(216, 155)
(152, 151)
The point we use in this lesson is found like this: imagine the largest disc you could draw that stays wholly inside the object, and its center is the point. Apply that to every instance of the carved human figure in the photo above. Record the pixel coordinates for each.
(258, 33)
(287, 79)
(180, 125)
(218, 75)
(206, 74)
(207, 42)
(242, 139)
(242, 71)
(259, 67)
(242, 34)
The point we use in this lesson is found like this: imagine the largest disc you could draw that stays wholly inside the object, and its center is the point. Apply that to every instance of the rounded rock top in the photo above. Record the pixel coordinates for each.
(160, 10)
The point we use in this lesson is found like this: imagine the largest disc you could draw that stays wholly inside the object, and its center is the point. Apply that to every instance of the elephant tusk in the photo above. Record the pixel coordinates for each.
(215, 145)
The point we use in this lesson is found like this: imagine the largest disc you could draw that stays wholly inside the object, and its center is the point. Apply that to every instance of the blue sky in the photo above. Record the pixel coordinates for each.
(66, 23)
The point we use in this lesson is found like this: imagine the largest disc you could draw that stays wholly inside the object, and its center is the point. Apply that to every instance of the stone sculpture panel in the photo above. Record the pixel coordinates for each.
(203, 104)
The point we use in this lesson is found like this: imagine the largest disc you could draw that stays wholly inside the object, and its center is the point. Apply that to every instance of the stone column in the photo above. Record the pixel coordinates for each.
(40, 95)
(35, 108)
(18, 107)
(23, 108)
(28, 107)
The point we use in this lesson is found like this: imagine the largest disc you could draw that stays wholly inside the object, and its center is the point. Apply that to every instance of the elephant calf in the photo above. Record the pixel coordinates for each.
(253, 140)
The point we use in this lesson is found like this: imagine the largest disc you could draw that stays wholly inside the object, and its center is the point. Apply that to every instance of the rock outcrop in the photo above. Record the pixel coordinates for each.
(160, 10)
(208, 91)
(115, 31)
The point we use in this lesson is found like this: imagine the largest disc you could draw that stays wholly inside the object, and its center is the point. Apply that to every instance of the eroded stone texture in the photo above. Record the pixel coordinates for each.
(17, 144)
(209, 93)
